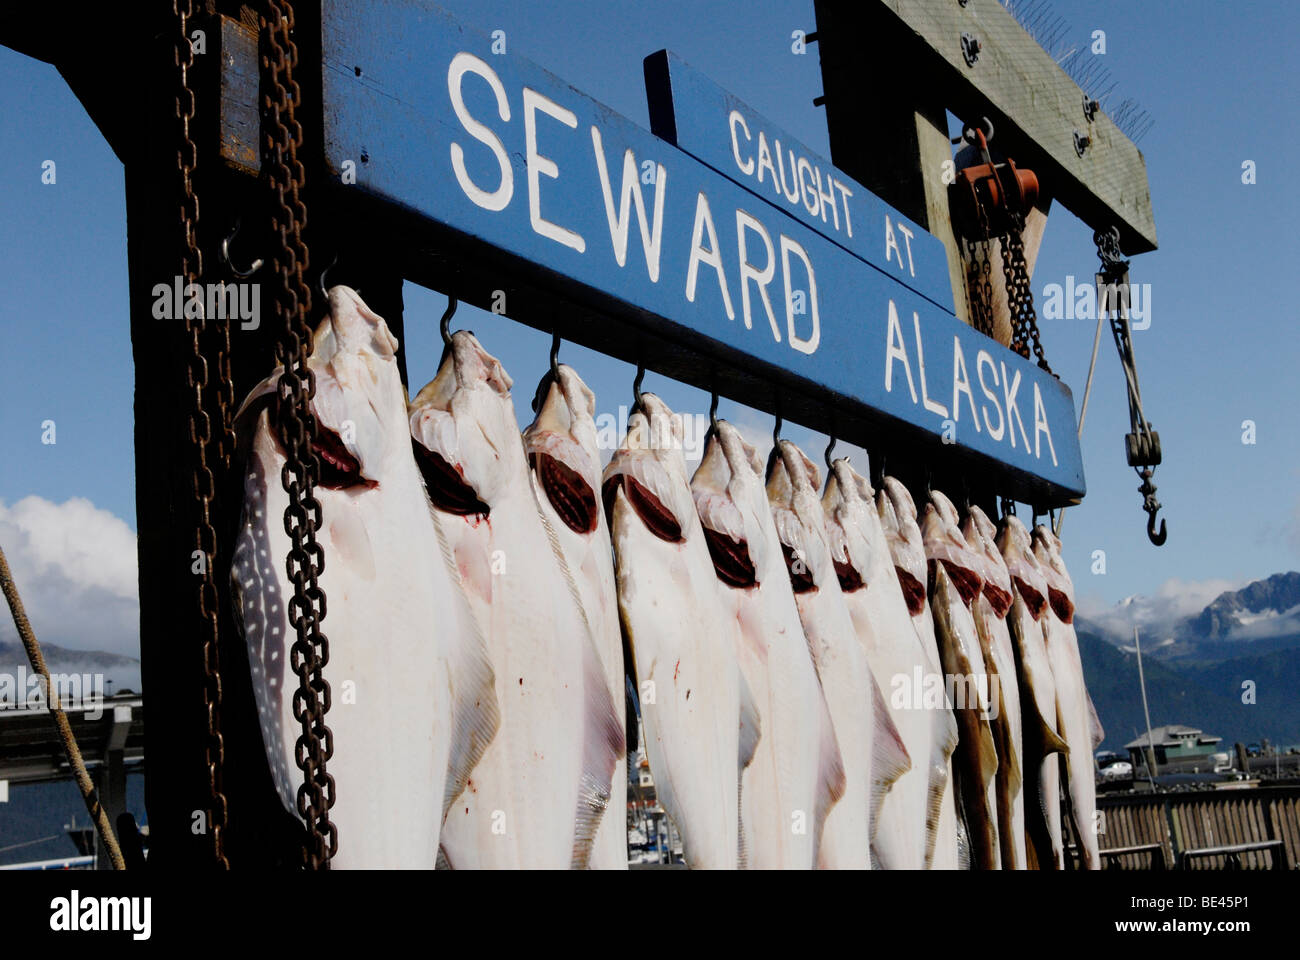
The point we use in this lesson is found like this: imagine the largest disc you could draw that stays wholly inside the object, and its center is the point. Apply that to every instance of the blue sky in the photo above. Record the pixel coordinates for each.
(1219, 79)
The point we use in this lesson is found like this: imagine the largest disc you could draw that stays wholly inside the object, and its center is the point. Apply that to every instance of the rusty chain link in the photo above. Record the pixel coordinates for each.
(1020, 295)
(979, 277)
(200, 428)
(282, 137)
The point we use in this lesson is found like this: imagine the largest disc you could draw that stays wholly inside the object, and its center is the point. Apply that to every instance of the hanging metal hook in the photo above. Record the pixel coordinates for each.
(555, 354)
(444, 325)
(225, 255)
(636, 387)
(324, 289)
(1152, 506)
(827, 456)
(776, 431)
(713, 411)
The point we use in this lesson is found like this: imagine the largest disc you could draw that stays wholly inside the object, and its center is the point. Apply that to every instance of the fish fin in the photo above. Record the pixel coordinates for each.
(604, 739)
(476, 715)
(831, 779)
(1094, 723)
(943, 743)
(750, 735)
(889, 757)
(1051, 741)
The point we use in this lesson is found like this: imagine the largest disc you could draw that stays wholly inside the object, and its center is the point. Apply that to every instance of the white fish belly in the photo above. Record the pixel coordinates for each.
(518, 810)
(1075, 729)
(780, 786)
(845, 677)
(686, 649)
(889, 641)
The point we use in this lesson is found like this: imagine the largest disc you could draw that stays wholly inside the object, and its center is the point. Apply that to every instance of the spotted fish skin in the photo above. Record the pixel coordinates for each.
(406, 739)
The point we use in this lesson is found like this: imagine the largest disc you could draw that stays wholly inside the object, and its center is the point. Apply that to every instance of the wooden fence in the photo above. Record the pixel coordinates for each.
(1248, 829)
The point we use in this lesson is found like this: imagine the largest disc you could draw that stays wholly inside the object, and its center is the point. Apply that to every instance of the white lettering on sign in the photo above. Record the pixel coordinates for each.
(711, 256)
(789, 246)
(1009, 389)
(746, 168)
(1041, 427)
(631, 193)
(496, 199)
(961, 384)
(999, 425)
(748, 271)
(805, 178)
(895, 350)
(934, 406)
(538, 165)
(891, 245)
(980, 360)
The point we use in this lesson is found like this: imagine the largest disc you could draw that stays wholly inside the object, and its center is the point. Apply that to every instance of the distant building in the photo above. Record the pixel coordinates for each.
(1178, 749)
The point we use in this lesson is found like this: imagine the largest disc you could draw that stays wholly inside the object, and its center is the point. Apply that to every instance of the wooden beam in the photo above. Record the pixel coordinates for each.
(884, 55)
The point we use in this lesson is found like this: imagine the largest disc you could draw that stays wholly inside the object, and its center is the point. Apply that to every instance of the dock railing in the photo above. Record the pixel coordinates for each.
(1248, 829)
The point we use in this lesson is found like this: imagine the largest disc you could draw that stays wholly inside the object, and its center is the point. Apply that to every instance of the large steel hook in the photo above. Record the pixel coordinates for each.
(1152, 506)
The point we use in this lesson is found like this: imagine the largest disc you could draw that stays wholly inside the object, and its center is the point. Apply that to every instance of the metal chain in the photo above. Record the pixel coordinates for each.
(979, 277)
(282, 137)
(200, 427)
(1020, 296)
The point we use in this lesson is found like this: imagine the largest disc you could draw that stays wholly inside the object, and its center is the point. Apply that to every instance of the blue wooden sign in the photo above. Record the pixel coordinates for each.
(498, 149)
(690, 110)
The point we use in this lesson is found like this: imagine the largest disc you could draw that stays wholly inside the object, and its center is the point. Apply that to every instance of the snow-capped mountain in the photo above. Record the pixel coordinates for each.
(1260, 617)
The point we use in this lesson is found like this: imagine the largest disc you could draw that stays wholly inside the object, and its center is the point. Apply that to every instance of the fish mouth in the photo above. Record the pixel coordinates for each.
(999, 599)
(967, 581)
(1061, 604)
(447, 488)
(850, 579)
(658, 519)
(571, 496)
(801, 578)
(731, 559)
(1034, 600)
(913, 591)
(338, 469)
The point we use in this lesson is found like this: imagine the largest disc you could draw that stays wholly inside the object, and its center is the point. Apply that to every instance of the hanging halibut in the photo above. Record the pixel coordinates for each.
(873, 754)
(944, 839)
(400, 634)
(1041, 763)
(990, 610)
(885, 630)
(701, 724)
(565, 463)
(1075, 713)
(956, 582)
(538, 794)
(796, 774)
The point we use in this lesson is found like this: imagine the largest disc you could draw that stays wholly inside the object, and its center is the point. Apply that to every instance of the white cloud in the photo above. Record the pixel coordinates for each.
(1156, 615)
(75, 567)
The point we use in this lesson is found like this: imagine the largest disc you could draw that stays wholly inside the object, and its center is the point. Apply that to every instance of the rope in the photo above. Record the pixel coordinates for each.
(70, 747)
(1083, 412)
